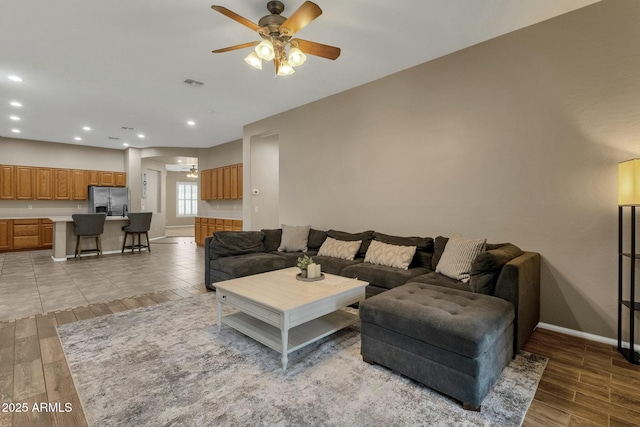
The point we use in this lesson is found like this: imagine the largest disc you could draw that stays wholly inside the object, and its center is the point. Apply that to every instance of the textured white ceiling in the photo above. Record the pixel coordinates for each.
(122, 63)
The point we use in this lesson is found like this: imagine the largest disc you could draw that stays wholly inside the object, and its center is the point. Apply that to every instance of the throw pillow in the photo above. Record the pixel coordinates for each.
(365, 237)
(294, 239)
(458, 255)
(390, 255)
(340, 248)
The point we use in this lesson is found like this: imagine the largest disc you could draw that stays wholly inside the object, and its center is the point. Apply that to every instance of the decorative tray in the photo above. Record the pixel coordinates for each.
(304, 279)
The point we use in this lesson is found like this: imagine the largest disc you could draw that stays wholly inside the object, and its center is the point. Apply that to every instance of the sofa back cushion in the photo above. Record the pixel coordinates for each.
(439, 244)
(230, 243)
(272, 239)
(366, 237)
(488, 264)
(424, 247)
(316, 239)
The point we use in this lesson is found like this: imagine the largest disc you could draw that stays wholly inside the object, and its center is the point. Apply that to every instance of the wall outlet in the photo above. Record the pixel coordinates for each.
(79, 206)
(29, 206)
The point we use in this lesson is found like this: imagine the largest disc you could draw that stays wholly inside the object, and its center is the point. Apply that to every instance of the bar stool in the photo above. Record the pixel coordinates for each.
(139, 223)
(88, 225)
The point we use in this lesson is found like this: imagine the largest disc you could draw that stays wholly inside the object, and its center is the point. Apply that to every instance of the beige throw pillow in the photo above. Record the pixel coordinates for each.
(294, 239)
(390, 255)
(458, 255)
(340, 248)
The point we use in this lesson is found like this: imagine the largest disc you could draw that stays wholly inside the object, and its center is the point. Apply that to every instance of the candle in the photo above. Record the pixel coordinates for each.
(313, 271)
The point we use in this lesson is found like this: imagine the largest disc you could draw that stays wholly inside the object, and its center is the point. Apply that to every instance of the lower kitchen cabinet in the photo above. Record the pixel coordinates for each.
(6, 234)
(26, 234)
(205, 227)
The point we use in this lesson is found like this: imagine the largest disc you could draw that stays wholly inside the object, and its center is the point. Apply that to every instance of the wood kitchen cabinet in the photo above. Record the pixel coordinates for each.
(25, 183)
(226, 180)
(205, 227)
(93, 178)
(79, 184)
(205, 184)
(62, 185)
(234, 181)
(7, 182)
(107, 179)
(26, 233)
(240, 180)
(46, 233)
(6, 234)
(44, 183)
(120, 179)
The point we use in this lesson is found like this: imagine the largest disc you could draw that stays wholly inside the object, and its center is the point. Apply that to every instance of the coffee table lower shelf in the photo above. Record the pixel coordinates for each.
(299, 336)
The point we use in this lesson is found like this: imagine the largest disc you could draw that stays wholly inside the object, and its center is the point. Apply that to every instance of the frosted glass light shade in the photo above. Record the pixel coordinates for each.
(296, 57)
(629, 182)
(254, 60)
(265, 50)
(285, 69)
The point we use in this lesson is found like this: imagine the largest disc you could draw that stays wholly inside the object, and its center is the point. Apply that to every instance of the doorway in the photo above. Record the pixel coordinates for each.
(265, 181)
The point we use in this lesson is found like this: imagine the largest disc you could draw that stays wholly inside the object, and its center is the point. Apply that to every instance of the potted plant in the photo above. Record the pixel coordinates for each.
(303, 263)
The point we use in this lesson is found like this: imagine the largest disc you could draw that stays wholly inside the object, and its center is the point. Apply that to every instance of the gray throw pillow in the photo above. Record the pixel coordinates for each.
(487, 267)
(294, 238)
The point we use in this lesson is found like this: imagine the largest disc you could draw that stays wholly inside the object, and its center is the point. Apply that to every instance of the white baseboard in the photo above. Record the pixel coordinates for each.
(585, 335)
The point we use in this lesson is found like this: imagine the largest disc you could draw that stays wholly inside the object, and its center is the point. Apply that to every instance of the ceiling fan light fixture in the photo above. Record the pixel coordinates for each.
(265, 50)
(254, 60)
(285, 69)
(193, 172)
(296, 57)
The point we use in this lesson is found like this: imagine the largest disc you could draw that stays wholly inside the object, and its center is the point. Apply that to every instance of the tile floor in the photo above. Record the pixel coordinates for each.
(32, 283)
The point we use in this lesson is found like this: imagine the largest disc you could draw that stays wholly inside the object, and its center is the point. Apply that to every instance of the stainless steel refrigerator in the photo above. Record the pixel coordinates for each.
(111, 200)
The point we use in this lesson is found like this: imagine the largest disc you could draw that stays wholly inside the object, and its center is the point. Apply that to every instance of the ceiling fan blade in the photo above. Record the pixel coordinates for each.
(236, 17)
(317, 49)
(300, 18)
(236, 47)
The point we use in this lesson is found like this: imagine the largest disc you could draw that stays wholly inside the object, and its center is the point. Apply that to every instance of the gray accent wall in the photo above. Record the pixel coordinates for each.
(516, 139)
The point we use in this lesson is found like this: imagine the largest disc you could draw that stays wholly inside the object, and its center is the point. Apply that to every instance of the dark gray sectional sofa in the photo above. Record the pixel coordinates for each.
(503, 271)
(452, 336)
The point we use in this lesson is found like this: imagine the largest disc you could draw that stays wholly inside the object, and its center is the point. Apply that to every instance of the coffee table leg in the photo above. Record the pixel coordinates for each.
(285, 348)
(219, 315)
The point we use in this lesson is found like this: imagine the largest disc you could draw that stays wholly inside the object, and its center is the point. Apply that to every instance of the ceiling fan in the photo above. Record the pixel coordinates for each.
(277, 32)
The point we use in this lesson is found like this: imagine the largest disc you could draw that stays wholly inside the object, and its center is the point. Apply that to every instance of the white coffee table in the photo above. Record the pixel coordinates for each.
(286, 314)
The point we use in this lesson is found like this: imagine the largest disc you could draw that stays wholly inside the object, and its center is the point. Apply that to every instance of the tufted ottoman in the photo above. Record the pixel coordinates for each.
(453, 341)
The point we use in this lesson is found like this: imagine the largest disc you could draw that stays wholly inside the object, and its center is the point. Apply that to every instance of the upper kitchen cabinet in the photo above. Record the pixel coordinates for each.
(7, 182)
(107, 179)
(120, 179)
(79, 184)
(93, 178)
(221, 183)
(44, 183)
(62, 184)
(25, 183)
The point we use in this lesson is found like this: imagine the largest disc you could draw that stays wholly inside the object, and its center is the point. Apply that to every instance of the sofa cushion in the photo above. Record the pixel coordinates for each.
(487, 266)
(334, 265)
(439, 244)
(424, 247)
(365, 237)
(272, 239)
(458, 256)
(437, 279)
(380, 275)
(231, 243)
(294, 238)
(395, 256)
(464, 323)
(342, 249)
(246, 265)
(316, 239)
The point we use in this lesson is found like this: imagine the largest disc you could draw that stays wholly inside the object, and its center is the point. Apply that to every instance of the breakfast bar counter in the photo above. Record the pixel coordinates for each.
(64, 238)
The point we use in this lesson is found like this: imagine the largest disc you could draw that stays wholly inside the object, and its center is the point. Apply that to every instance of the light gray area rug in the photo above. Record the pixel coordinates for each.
(166, 365)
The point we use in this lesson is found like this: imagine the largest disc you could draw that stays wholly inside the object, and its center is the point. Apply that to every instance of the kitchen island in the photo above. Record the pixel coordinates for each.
(64, 238)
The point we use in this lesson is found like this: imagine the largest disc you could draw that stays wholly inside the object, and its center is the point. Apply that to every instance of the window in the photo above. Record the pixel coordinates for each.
(187, 199)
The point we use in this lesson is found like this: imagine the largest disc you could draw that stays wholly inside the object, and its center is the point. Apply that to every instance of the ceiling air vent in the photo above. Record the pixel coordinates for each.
(193, 83)
(115, 138)
(127, 128)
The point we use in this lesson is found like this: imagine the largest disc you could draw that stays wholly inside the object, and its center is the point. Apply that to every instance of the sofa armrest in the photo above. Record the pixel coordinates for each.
(519, 283)
(207, 258)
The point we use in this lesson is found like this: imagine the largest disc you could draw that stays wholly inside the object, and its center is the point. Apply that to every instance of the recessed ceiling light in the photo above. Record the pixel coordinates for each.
(15, 118)
(15, 104)
(191, 123)
(77, 138)
(15, 78)
(87, 128)
(179, 161)
(126, 144)
(141, 135)
(15, 130)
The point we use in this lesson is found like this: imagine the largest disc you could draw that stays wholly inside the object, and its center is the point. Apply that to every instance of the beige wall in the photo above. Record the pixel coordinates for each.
(515, 139)
(220, 155)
